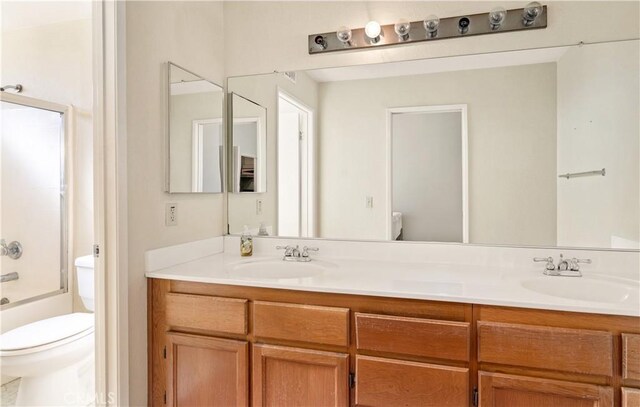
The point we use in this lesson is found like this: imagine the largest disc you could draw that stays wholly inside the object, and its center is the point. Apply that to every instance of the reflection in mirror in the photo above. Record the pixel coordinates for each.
(471, 148)
(249, 141)
(196, 135)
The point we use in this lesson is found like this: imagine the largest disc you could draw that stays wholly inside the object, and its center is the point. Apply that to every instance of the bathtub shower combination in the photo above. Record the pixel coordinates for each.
(43, 342)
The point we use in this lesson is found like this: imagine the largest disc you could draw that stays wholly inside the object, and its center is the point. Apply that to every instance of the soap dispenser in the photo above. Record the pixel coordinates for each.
(246, 243)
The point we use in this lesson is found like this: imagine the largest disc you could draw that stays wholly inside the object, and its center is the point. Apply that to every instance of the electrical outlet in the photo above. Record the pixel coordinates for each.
(171, 214)
(369, 202)
(258, 206)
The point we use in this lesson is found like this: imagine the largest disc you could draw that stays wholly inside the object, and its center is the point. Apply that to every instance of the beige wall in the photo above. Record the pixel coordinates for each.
(53, 63)
(264, 36)
(598, 107)
(512, 157)
(191, 35)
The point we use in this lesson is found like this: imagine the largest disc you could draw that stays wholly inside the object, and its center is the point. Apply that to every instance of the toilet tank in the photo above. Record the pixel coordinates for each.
(85, 274)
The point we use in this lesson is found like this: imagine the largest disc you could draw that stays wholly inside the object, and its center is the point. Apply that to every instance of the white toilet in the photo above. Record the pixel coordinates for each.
(55, 356)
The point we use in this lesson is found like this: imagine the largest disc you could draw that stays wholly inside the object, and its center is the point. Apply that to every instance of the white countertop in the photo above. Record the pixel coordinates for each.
(426, 281)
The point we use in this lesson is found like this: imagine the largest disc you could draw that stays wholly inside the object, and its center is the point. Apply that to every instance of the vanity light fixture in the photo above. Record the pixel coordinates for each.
(432, 28)
(497, 17)
(531, 12)
(373, 30)
(402, 28)
(344, 36)
(431, 25)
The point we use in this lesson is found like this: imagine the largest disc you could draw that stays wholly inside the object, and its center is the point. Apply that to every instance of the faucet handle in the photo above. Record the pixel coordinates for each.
(549, 260)
(307, 249)
(574, 264)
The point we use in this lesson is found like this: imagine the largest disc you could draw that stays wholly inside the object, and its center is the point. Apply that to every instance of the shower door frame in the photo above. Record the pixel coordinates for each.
(66, 189)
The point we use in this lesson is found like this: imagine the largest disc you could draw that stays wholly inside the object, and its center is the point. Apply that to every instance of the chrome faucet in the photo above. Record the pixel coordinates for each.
(565, 267)
(13, 250)
(8, 277)
(293, 253)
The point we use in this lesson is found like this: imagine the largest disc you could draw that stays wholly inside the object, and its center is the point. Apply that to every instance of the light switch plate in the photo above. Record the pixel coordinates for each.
(369, 202)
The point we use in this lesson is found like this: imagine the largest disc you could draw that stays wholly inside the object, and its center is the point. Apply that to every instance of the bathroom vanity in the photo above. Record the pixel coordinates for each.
(258, 341)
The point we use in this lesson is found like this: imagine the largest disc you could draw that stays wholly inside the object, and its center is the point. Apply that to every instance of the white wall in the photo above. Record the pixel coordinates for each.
(191, 35)
(273, 34)
(53, 63)
(506, 204)
(598, 127)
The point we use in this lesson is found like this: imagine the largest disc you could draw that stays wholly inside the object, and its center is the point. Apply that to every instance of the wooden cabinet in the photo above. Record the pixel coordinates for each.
(217, 345)
(389, 382)
(284, 376)
(502, 390)
(205, 371)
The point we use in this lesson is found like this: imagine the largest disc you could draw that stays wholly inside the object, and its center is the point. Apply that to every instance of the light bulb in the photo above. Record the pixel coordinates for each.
(372, 30)
(531, 12)
(497, 17)
(402, 28)
(431, 24)
(344, 35)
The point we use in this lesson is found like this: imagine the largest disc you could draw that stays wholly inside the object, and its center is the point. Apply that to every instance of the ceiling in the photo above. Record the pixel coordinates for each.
(434, 65)
(25, 14)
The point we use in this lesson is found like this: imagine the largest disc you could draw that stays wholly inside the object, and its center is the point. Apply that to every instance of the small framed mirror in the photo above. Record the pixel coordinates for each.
(249, 146)
(195, 133)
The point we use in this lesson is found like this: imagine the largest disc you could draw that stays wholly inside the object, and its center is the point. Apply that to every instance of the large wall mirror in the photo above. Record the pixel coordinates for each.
(534, 147)
(196, 133)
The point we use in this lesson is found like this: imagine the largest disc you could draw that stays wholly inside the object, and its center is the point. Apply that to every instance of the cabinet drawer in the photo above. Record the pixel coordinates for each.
(631, 357)
(566, 350)
(413, 336)
(215, 314)
(498, 390)
(388, 382)
(301, 323)
(630, 397)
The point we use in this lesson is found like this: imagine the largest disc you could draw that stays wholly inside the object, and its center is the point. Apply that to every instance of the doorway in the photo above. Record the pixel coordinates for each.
(428, 174)
(296, 174)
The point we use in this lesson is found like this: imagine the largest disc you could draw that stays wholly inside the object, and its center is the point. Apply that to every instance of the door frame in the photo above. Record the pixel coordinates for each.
(110, 203)
(461, 108)
(311, 211)
(197, 153)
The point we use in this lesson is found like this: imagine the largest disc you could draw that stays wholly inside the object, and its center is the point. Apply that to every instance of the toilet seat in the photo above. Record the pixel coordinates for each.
(45, 334)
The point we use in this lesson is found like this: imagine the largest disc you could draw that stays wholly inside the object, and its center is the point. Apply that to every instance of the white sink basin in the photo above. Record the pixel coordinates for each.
(273, 269)
(581, 288)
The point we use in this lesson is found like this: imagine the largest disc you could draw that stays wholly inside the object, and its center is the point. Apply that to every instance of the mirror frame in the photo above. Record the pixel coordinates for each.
(223, 138)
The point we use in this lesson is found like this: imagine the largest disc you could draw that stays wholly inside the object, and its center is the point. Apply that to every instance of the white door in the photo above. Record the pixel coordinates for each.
(428, 175)
(294, 169)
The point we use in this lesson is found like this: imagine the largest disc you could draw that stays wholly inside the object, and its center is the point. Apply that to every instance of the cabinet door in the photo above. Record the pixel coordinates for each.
(498, 390)
(387, 382)
(630, 397)
(205, 371)
(284, 376)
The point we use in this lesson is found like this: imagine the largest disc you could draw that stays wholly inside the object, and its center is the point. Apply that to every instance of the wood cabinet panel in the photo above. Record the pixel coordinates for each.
(388, 382)
(413, 336)
(215, 314)
(501, 390)
(301, 323)
(204, 371)
(284, 376)
(566, 350)
(631, 356)
(630, 397)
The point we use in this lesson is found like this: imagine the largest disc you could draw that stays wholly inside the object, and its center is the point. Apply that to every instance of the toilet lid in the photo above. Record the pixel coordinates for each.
(46, 331)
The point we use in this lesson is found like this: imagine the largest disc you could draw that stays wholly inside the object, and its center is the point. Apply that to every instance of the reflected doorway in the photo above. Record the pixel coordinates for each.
(428, 176)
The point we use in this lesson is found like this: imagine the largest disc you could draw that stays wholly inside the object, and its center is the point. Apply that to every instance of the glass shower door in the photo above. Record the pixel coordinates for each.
(32, 200)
